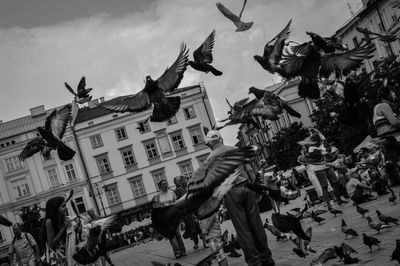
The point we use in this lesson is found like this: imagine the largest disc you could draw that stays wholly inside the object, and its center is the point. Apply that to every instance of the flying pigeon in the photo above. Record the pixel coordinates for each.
(240, 25)
(308, 63)
(371, 241)
(156, 92)
(270, 105)
(4, 221)
(203, 56)
(289, 223)
(81, 94)
(238, 114)
(327, 45)
(274, 230)
(51, 136)
(273, 52)
(387, 37)
(206, 189)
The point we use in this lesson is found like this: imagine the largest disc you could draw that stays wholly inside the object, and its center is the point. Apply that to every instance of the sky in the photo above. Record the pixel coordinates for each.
(115, 44)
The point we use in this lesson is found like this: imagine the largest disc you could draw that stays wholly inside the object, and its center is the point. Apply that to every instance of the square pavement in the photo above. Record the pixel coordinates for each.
(325, 235)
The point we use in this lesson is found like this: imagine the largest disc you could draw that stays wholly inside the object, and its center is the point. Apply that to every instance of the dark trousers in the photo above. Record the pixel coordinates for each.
(323, 177)
(177, 244)
(359, 196)
(243, 211)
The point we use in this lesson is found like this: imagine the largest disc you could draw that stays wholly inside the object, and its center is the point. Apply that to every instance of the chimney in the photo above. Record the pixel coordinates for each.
(101, 99)
(92, 103)
(37, 111)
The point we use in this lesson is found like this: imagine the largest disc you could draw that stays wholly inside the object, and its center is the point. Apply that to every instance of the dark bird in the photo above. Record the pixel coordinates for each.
(316, 218)
(238, 114)
(203, 56)
(156, 92)
(392, 197)
(348, 249)
(308, 63)
(371, 241)
(361, 211)
(278, 234)
(51, 136)
(4, 221)
(347, 230)
(386, 219)
(335, 212)
(299, 252)
(319, 212)
(289, 223)
(81, 94)
(270, 105)
(396, 252)
(327, 44)
(273, 52)
(326, 255)
(376, 225)
(387, 37)
(349, 260)
(339, 251)
(210, 179)
(240, 25)
(141, 125)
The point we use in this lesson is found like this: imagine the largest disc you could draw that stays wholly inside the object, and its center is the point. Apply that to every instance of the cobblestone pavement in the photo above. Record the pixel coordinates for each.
(325, 235)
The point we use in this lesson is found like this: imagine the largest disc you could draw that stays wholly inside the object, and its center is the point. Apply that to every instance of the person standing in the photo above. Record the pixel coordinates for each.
(242, 207)
(25, 248)
(165, 198)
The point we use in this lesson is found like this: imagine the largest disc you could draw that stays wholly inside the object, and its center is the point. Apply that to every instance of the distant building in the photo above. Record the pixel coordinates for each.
(36, 179)
(125, 164)
(377, 16)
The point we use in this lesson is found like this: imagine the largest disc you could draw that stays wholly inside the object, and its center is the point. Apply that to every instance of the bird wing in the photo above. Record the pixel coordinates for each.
(173, 75)
(105, 222)
(57, 121)
(69, 88)
(203, 54)
(134, 103)
(32, 147)
(291, 65)
(279, 44)
(4, 221)
(301, 49)
(366, 31)
(81, 87)
(345, 61)
(215, 171)
(227, 13)
(239, 104)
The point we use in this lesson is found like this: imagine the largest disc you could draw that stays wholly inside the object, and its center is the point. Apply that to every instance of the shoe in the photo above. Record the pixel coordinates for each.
(196, 246)
(269, 262)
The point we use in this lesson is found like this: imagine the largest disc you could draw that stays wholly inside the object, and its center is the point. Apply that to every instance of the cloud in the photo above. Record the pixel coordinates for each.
(116, 53)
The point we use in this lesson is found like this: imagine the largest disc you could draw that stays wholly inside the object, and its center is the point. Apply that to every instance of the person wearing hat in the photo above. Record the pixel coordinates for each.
(25, 248)
(357, 189)
(242, 208)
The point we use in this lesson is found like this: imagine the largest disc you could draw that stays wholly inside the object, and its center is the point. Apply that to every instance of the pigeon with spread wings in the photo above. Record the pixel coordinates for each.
(203, 56)
(156, 92)
(273, 52)
(327, 44)
(237, 115)
(240, 25)
(81, 94)
(206, 190)
(51, 136)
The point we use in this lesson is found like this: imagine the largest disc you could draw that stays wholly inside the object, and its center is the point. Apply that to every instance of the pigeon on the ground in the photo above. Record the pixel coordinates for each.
(316, 218)
(82, 94)
(273, 52)
(51, 136)
(326, 255)
(270, 105)
(240, 25)
(289, 223)
(4, 221)
(347, 230)
(349, 260)
(392, 197)
(371, 241)
(299, 252)
(386, 219)
(396, 252)
(203, 56)
(376, 225)
(156, 92)
(361, 211)
(206, 190)
(348, 249)
(335, 212)
(339, 251)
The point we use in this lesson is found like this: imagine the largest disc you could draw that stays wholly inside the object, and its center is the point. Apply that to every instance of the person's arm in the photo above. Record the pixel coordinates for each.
(35, 247)
(388, 113)
(52, 238)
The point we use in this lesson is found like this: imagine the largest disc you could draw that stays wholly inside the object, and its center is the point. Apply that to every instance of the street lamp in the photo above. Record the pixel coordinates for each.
(100, 187)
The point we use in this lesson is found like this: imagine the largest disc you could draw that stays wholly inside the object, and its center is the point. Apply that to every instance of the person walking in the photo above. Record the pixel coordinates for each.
(242, 207)
(24, 247)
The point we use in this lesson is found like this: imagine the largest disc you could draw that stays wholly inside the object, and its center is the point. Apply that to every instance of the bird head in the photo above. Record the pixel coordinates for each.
(343, 222)
(257, 58)
(378, 212)
(252, 89)
(190, 63)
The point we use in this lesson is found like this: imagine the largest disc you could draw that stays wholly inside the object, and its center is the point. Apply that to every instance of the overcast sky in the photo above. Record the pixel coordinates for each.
(115, 44)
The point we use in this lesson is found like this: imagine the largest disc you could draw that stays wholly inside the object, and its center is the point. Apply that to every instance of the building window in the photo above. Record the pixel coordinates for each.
(13, 164)
(186, 168)
(137, 187)
(80, 205)
(1, 238)
(196, 135)
(128, 157)
(121, 133)
(189, 112)
(172, 121)
(202, 159)
(151, 150)
(381, 27)
(48, 157)
(177, 140)
(96, 141)
(355, 42)
(158, 175)
(20, 188)
(70, 171)
(113, 195)
(103, 164)
(144, 127)
(53, 177)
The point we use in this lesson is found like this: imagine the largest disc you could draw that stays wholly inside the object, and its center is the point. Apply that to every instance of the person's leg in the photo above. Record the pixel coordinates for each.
(257, 229)
(358, 195)
(334, 181)
(180, 243)
(175, 247)
(235, 202)
(323, 181)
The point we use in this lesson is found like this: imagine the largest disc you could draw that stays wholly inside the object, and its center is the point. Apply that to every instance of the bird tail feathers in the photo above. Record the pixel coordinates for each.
(291, 111)
(215, 71)
(309, 89)
(166, 109)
